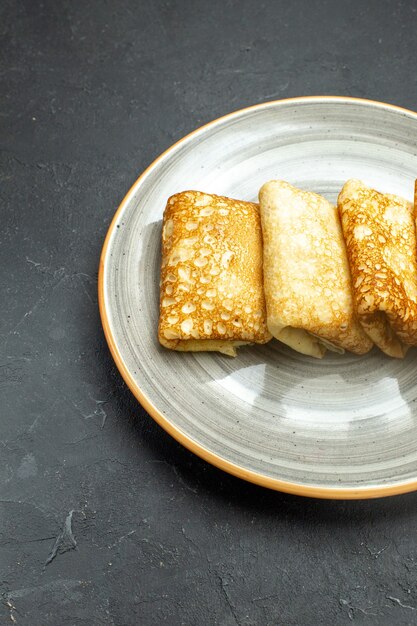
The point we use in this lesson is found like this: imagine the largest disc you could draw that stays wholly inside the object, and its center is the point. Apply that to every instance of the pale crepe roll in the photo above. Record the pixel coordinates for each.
(211, 295)
(306, 273)
(380, 236)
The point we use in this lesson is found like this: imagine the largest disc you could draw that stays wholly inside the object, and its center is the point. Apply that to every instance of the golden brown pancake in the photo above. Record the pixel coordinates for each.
(306, 273)
(380, 235)
(211, 296)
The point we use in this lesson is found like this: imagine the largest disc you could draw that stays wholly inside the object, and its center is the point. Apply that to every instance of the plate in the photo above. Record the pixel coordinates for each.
(343, 427)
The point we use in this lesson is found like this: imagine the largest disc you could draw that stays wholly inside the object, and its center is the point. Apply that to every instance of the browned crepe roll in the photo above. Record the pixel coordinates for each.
(211, 296)
(380, 235)
(306, 273)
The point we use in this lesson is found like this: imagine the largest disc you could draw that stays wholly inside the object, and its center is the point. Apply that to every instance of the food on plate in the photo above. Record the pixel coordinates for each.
(307, 280)
(211, 291)
(380, 235)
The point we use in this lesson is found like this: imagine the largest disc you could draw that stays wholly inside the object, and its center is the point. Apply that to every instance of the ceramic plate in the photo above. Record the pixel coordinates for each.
(343, 427)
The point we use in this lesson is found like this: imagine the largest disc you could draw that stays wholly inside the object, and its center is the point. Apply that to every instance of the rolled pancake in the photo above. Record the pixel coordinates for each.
(306, 273)
(211, 296)
(380, 235)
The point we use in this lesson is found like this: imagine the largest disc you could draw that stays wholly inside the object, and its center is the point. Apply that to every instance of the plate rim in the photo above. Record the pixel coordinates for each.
(312, 491)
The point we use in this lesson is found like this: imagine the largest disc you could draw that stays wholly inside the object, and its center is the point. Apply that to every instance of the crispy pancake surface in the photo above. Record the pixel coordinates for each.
(306, 273)
(380, 235)
(211, 294)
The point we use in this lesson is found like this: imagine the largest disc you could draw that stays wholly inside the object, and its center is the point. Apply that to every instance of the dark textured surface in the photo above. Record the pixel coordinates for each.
(105, 520)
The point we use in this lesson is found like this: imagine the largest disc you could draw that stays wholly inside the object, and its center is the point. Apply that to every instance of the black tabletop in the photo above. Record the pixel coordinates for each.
(104, 519)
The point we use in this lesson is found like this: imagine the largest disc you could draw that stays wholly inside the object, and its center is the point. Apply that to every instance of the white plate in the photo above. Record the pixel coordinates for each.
(343, 427)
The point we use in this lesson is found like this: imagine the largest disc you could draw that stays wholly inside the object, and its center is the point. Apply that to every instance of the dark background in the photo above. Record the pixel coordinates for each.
(104, 519)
